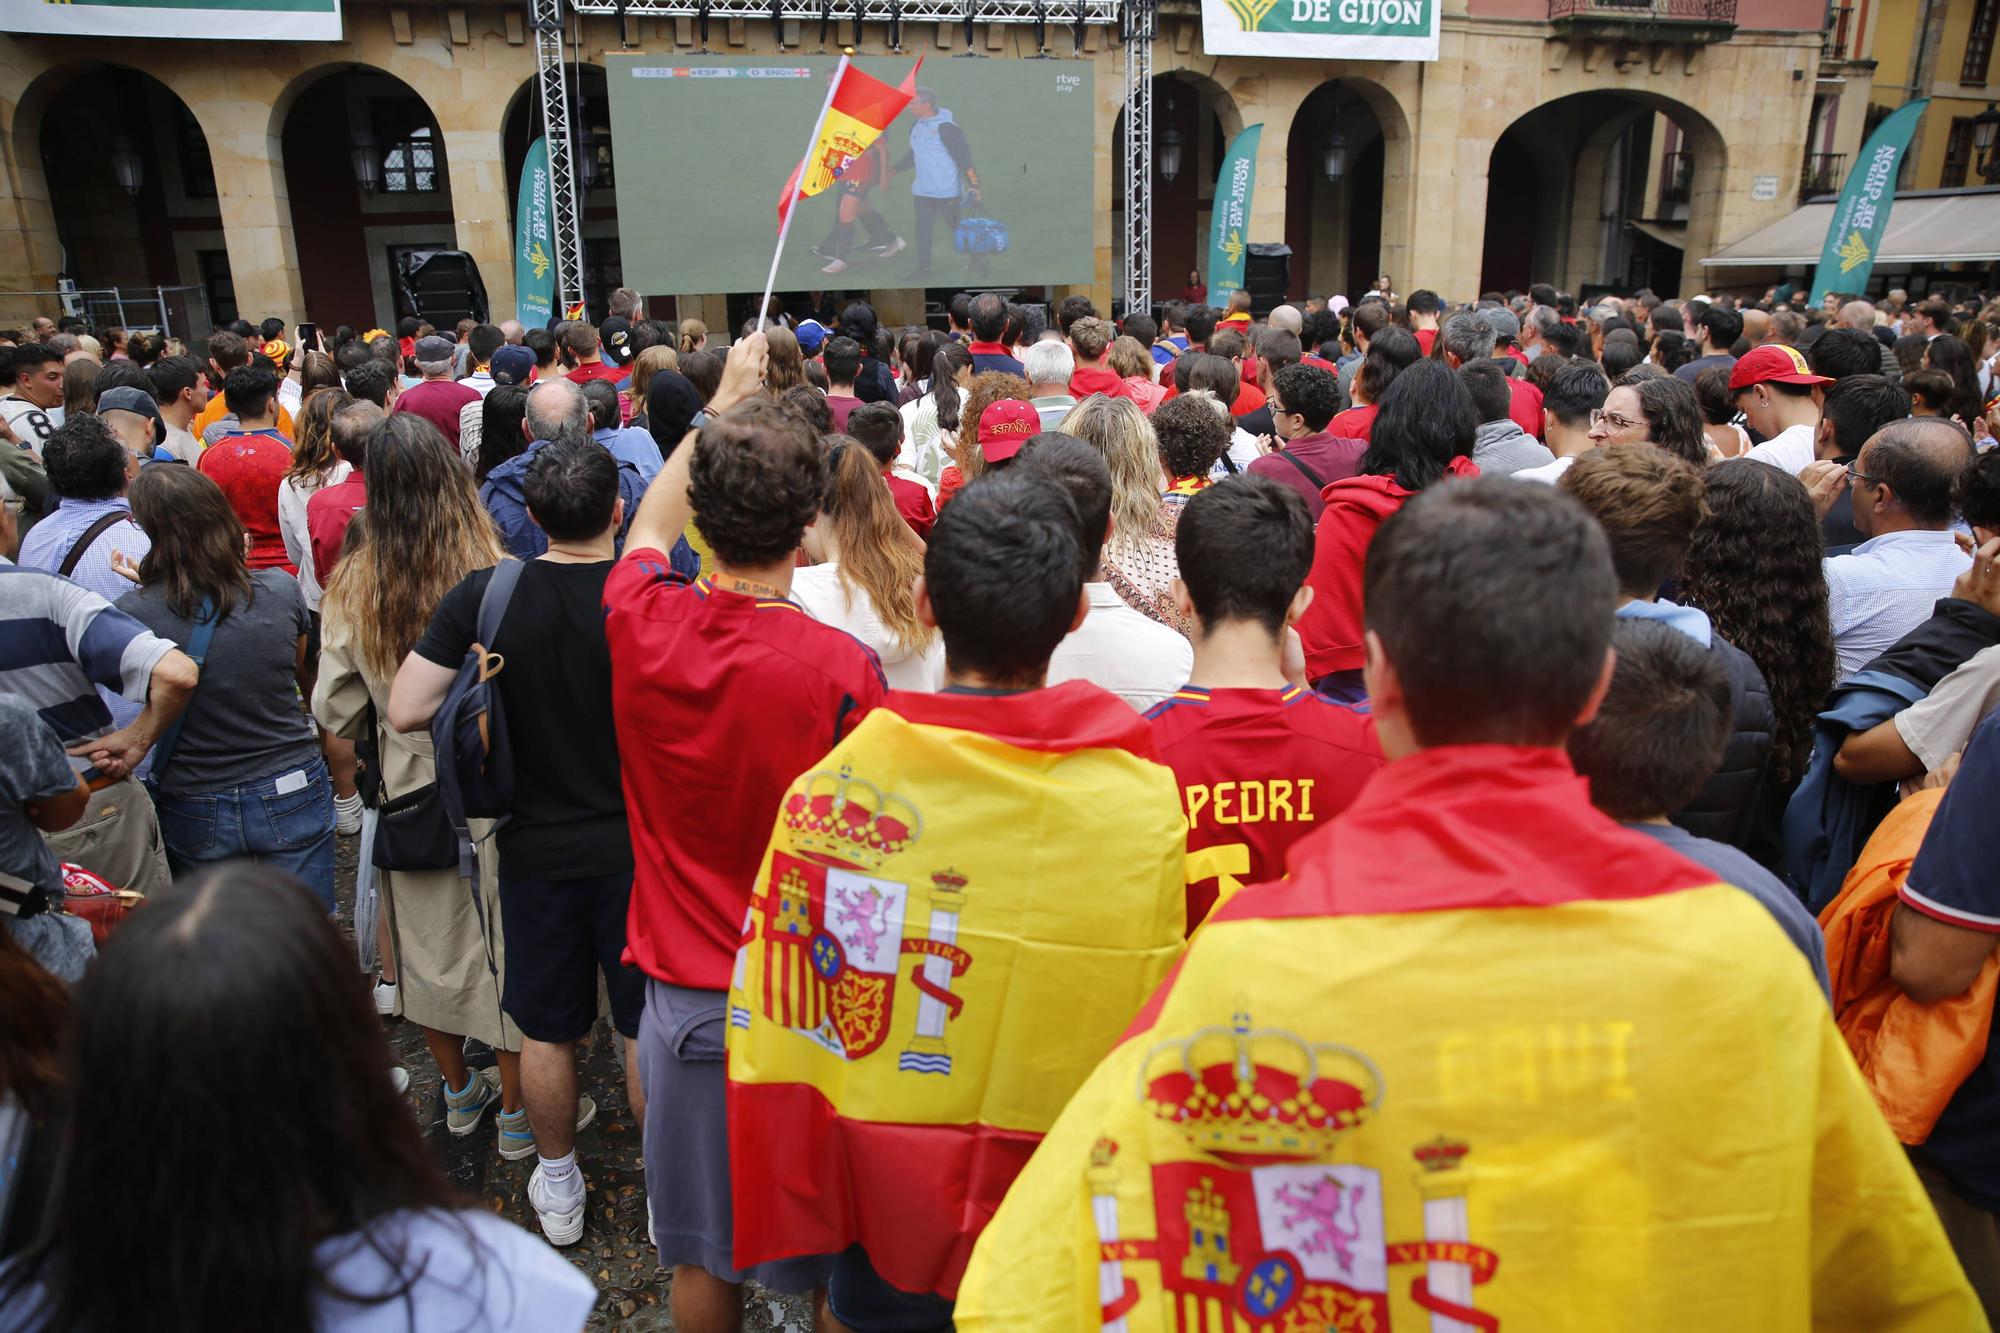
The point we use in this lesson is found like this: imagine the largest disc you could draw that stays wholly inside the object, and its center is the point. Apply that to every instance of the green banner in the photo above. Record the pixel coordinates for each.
(1862, 213)
(534, 247)
(1229, 225)
(1324, 29)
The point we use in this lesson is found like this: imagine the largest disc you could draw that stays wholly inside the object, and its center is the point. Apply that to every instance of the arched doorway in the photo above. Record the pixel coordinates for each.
(596, 167)
(133, 195)
(365, 173)
(1193, 119)
(1600, 190)
(1338, 160)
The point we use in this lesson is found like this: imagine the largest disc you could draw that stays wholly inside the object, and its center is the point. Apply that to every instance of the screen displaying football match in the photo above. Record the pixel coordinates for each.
(984, 180)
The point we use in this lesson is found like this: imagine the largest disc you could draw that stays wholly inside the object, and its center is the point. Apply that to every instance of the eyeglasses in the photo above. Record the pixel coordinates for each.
(1600, 417)
(1854, 474)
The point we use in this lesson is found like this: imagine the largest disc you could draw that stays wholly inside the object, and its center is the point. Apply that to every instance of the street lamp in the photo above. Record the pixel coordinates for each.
(1170, 147)
(127, 164)
(366, 153)
(1985, 127)
(1333, 155)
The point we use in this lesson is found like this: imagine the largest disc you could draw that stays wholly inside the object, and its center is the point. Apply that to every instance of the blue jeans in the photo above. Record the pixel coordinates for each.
(290, 830)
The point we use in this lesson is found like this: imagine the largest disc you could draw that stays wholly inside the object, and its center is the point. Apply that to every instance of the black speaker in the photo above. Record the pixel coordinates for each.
(441, 286)
(1267, 274)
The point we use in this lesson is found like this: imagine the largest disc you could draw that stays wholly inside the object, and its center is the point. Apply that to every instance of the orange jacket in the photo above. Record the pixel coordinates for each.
(1914, 1056)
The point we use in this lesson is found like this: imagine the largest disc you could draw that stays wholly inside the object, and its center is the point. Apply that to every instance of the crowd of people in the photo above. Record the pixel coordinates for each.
(1066, 817)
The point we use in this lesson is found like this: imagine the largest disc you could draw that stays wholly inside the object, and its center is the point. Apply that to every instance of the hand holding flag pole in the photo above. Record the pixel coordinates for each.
(857, 109)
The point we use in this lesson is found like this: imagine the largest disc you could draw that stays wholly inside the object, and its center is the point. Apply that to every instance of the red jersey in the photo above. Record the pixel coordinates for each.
(1257, 770)
(1354, 424)
(328, 513)
(250, 466)
(1426, 339)
(913, 502)
(720, 700)
(1524, 407)
(438, 402)
(599, 370)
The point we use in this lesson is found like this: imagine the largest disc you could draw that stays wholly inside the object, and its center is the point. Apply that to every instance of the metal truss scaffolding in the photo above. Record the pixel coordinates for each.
(1136, 21)
(1140, 22)
(565, 204)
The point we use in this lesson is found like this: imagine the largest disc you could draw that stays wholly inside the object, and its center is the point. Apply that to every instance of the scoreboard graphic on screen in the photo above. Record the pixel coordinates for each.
(986, 179)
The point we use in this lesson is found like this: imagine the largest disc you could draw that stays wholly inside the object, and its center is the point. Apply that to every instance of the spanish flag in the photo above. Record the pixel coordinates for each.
(960, 910)
(860, 108)
(1486, 1061)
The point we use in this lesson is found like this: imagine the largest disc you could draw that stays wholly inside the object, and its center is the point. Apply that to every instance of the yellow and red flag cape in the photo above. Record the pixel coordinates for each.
(861, 108)
(1485, 1061)
(960, 910)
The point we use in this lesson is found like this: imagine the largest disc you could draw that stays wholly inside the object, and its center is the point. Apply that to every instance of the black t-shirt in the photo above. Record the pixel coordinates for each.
(555, 685)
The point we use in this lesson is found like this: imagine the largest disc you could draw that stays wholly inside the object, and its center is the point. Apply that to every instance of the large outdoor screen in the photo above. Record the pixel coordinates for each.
(704, 145)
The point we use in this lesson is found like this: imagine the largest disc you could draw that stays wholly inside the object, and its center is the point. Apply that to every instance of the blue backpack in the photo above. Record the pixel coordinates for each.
(475, 764)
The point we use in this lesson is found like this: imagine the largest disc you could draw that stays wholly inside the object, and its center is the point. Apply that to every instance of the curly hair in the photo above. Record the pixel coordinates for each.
(755, 480)
(986, 389)
(1754, 566)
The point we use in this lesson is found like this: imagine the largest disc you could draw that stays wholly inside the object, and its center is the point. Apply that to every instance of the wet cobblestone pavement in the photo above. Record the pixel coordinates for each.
(615, 1251)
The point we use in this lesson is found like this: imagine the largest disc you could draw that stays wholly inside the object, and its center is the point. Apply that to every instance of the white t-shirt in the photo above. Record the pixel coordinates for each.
(1139, 660)
(1790, 449)
(292, 497)
(923, 448)
(1938, 725)
(31, 425)
(1547, 473)
(290, 392)
(829, 601)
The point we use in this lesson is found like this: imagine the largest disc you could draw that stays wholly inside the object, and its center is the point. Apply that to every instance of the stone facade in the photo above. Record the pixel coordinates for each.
(1742, 104)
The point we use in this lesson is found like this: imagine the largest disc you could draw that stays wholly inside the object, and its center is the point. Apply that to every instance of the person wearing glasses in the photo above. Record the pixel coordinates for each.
(1902, 486)
(1646, 406)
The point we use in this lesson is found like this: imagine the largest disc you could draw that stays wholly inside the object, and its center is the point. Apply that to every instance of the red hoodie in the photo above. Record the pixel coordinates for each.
(1096, 379)
(1356, 508)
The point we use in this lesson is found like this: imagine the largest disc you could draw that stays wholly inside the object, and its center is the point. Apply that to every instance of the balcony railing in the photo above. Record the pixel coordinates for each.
(1676, 178)
(1822, 173)
(1836, 46)
(1663, 20)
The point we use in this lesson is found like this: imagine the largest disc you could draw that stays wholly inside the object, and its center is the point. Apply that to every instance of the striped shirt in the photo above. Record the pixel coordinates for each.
(59, 640)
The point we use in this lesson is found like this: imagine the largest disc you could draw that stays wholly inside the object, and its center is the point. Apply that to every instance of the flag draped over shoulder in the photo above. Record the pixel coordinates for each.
(1486, 1061)
(960, 910)
(861, 108)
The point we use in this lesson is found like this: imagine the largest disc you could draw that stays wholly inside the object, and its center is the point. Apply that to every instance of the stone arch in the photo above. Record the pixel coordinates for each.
(346, 235)
(1626, 184)
(1337, 229)
(1207, 116)
(76, 220)
(590, 112)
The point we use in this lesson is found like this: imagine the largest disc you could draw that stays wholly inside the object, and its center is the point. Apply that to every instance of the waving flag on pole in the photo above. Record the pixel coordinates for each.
(860, 108)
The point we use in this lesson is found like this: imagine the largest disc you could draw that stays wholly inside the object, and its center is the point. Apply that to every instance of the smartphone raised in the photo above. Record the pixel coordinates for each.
(308, 337)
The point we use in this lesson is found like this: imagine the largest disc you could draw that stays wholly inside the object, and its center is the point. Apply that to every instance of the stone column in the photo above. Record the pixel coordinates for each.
(232, 103)
(30, 252)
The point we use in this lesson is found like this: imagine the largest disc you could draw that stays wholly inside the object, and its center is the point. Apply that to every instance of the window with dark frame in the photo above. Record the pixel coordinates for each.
(197, 170)
(1957, 154)
(409, 145)
(1979, 42)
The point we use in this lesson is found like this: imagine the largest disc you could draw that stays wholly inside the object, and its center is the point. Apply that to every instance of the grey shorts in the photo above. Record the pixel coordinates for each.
(686, 1141)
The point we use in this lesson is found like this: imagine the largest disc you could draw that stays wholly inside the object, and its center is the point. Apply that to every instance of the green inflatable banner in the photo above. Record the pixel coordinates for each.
(1862, 213)
(534, 247)
(1229, 227)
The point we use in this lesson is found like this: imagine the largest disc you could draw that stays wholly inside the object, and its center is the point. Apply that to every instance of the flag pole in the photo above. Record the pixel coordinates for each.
(792, 203)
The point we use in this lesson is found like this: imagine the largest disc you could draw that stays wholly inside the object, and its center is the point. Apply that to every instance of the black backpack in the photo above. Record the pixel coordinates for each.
(475, 764)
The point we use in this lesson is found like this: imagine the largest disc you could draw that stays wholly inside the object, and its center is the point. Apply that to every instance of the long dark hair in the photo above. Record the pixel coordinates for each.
(1390, 352)
(231, 981)
(951, 358)
(1755, 566)
(1950, 354)
(1426, 419)
(197, 538)
(500, 418)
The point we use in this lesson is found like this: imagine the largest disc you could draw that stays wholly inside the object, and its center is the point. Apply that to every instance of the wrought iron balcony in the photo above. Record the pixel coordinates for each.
(1822, 173)
(1645, 20)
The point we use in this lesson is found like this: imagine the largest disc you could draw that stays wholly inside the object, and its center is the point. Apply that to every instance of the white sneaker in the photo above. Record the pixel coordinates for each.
(561, 1218)
(399, 1077)
(347, 815)
(465, 1108)
(385, 998)
(894, 247)
(837, 266)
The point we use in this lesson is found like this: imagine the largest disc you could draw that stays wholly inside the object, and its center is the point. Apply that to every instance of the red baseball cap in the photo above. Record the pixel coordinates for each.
(1005, 426)
(1773, 363)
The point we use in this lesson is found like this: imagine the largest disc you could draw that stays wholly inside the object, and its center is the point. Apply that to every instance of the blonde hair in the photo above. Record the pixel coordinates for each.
(1117, 429)
(1130, 360)
(880, 557)
(693, 333)
(647, 364)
